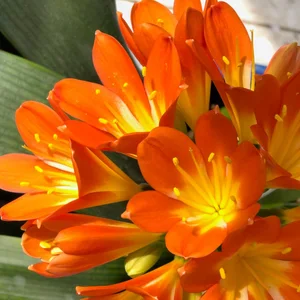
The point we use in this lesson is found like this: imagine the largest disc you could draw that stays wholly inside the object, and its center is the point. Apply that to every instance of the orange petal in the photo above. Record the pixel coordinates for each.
(149, 11)
(183, 240)
(105, 176)
(104, 236)
(155, 158)
(216, 292)
(41, 269)
(199, 274)
(154, 211)
(180, 6)
(214, 133)
(96, 105)
(38, 126)
(248, 175)
(18, 173)
(145, 36)
(233, 48)
(118, 73)
(87, 135)
(163, 62)
(128, 37)
(32, 206)
(285, 62)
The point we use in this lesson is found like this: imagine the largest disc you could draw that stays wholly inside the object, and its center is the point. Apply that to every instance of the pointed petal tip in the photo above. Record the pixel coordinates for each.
(125, 215)
(181, 271)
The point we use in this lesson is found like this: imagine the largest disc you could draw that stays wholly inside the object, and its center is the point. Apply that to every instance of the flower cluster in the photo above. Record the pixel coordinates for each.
(204, 173)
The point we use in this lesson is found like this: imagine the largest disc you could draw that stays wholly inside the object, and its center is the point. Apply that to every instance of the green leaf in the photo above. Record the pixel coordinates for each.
(58, 34)
(20, 80)
(17, 283)
(273, 199)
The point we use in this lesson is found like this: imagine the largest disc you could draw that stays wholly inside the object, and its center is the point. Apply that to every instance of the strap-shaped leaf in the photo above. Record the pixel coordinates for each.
(16, 282)
(58, 34)
(20, 80)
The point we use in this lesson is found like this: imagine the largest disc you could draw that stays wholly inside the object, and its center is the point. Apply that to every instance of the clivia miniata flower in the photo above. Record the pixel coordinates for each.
(203, 191)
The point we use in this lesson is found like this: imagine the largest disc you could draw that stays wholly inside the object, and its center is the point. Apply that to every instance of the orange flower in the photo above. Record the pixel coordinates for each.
(65, 248)
(59, 176)
(285, 62)
(119, 114)
(151, 20)
(162, 283)
(277, 130)
(203, 191)
(261, 261)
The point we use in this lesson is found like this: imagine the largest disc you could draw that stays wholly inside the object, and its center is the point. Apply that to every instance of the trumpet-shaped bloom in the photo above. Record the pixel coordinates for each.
(203, 191)
(260, 261)
(278, 129)
(59, 176)
(162, 283)
(119, 114)
(71, 243)
(285, 62)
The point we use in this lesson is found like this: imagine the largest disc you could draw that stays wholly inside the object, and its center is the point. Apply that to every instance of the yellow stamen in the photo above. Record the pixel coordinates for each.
(288, 74)
(97, 91)
(253, 63)
(176, 191)
(286, 250)
(278, 118)
(228, 159)
(39, 169)
(283, 111)
(144, 71)
(56, 251)
(175, 161)
(103, 121)
(50, 146)
(226, 60)
(55, 136)
(45, 245)
(211, 157)
(222, 273)
(24, 183)
(183, 219)
(125, 85)
(152, 95)
(160, 21)
(37, 137)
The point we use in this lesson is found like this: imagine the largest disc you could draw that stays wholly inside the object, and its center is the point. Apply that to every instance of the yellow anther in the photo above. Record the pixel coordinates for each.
(288, 74)
(286, 250)
(144, 71)
(50, 191)
(232, 198)
(125, 85)
(283, 111)
(176, 191)
(211, 157)
(37, 137)
(222, 273)
(102, 121)
(226, 60)
(152, 95)
(55, 136)
(278, 118)
(39, 169)
(160, 21)
(56, 251)
(45, 245)
(24, 183)
(175, 161)
(97, 91)
(183, 219)
(50, 146)
(228, 159)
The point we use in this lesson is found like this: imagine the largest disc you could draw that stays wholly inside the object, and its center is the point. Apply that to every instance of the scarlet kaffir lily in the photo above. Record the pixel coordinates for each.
(278, 129)
(151, 20)
(203, 191)
(58, 177)
(120, 113)
(65, 248)
(259, 262)
(162, 283)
